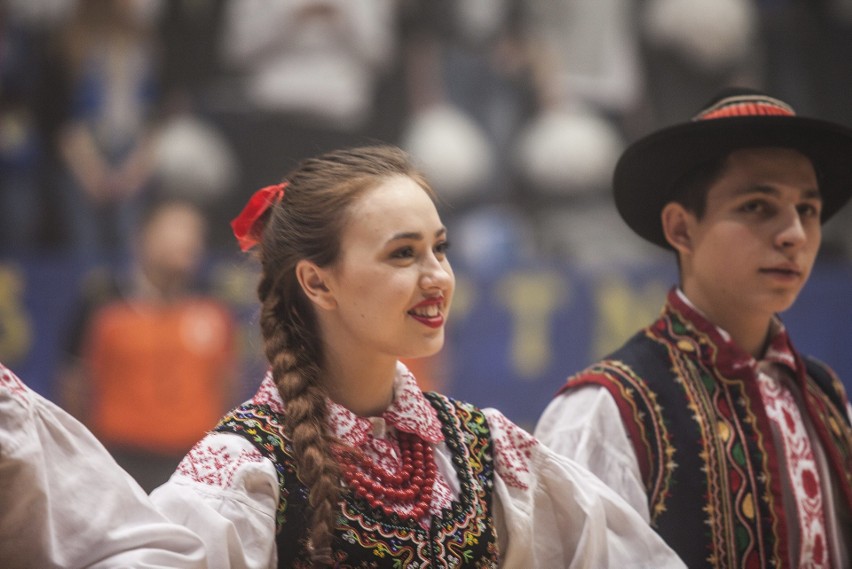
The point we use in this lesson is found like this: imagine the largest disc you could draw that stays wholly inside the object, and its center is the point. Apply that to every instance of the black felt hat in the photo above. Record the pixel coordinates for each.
(647, 172)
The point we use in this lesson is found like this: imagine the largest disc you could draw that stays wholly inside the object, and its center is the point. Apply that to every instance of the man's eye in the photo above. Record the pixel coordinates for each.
(753, 207)
(809, 210)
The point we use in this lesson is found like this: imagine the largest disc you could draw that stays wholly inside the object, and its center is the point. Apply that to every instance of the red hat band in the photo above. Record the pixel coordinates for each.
(648, 171)
(746, 106)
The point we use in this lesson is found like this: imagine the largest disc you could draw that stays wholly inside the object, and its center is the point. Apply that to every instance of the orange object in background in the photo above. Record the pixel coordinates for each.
(158, 372)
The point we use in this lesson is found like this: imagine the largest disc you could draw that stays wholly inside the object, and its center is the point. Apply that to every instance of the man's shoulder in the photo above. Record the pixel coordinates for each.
(640, 354)
(826, 379)
(819, 370)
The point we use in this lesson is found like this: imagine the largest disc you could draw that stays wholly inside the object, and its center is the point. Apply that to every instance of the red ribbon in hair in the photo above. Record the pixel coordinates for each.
(246, 228)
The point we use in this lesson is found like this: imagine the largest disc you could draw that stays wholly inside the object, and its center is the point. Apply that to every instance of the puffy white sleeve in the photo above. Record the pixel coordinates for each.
(226, 492)
(584, 425)
(556, 514)
(65, 503)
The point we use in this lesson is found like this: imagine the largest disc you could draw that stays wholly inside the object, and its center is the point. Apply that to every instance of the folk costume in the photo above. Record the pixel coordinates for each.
(736, 461)
(699, 454)
(495, 496)
(65, 503)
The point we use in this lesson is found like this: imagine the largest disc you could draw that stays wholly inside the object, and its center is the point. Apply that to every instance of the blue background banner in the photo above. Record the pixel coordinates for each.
(514, 334)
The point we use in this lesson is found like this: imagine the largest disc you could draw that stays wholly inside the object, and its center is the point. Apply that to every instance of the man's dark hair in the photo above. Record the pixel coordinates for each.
(692, 188)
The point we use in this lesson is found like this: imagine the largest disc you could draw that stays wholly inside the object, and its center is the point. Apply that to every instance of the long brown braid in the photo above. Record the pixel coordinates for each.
(307, 224)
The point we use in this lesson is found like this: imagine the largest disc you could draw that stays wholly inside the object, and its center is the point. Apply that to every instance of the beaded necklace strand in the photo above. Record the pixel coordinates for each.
(411, 485)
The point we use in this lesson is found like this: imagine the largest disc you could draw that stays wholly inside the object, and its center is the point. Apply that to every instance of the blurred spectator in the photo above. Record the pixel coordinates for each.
(302, 76)
(694, 47)
(584, 52)
(317, 58)
(20, 135)
(191, 158)
(806, 46)
(467, 93)
(151, 361)
(109, 78)
(190, 32)
(589, 88)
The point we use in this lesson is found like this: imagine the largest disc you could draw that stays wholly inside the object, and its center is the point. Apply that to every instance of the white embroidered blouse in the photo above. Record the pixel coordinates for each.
(549, 511)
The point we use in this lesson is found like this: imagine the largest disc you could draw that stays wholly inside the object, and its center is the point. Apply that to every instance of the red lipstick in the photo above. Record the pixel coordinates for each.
(423, 312)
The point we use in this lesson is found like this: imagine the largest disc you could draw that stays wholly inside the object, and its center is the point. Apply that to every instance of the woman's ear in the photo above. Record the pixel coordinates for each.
(312, 279)
(677, 226)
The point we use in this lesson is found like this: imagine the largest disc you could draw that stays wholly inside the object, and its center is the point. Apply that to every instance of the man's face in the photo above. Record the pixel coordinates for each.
(753, 250)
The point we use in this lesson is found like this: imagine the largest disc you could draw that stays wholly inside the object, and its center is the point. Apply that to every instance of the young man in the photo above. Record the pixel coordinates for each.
(735, 447)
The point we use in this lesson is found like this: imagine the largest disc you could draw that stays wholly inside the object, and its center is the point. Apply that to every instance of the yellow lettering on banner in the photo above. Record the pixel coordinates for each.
(15, 325)
(531, 299)
(622, 310)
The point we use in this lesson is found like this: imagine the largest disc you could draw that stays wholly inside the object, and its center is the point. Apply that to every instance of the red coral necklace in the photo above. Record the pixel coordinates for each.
(411, 484)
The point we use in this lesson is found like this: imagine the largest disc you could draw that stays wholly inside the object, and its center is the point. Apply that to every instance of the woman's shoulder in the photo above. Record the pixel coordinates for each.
(226, 492)
(514, 451)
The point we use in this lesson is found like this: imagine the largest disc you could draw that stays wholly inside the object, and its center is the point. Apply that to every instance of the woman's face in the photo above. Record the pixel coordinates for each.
(392, 284)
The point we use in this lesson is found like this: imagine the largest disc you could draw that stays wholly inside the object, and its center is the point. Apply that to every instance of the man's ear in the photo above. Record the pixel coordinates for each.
(678, 226)
(312, 279)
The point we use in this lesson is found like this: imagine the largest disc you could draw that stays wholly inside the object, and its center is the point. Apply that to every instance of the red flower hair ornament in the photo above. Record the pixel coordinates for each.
(246, 226)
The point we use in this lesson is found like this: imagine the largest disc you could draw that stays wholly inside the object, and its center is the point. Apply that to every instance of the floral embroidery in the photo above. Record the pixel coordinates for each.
(801, 470)
(512, 449)
(215, 465)
(409, 412)
(11, 382)
(347, 426)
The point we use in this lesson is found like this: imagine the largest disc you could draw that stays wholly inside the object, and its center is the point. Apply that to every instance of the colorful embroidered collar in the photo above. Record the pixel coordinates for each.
(409, 412)
(779, 350)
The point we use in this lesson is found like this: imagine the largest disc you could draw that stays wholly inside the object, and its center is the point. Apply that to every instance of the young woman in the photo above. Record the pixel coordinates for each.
(340, 459)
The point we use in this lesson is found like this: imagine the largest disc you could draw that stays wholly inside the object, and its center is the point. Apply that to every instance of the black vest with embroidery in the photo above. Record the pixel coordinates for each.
(462, 536)
(704, 443)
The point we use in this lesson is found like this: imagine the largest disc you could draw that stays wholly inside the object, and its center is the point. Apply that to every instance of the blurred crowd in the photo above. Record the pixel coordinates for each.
(517, 110)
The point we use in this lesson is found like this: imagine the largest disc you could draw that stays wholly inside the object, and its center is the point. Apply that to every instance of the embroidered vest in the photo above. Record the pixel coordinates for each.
(704, 443)
(462, 536)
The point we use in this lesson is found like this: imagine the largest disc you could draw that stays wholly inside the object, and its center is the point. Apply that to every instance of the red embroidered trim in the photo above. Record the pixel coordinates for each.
(245, 226)
(215, 465)
(10, 381)
(746, 106)
(513, 447)
(802, 470)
